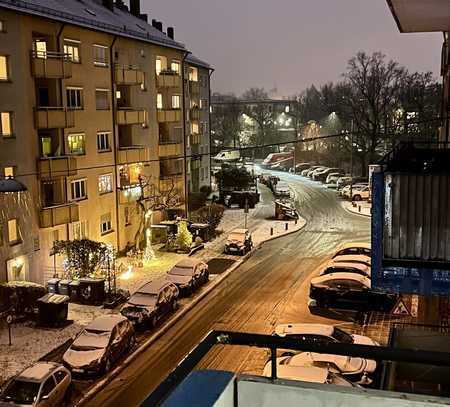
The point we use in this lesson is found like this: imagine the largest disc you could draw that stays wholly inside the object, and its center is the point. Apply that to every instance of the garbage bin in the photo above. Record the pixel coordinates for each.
(64, 287)
(53, 309)
(91, 291)
(52, 285)
(74, 287)
(200, 229)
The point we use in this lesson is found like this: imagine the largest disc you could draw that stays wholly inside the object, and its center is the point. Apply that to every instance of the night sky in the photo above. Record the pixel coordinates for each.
(289, 44)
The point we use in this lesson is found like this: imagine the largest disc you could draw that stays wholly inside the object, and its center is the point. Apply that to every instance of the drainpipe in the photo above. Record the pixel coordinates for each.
(183, 91)
(114, 134)
(211, 71)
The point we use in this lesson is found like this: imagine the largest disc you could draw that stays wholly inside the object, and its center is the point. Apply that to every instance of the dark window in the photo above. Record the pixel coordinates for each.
(48, 387)
(60, 375)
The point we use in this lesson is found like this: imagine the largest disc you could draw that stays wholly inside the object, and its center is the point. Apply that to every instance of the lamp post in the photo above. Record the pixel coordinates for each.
(351, 159)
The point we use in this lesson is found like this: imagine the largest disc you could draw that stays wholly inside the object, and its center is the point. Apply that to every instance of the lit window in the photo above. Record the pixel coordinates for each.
(159, 101)
(40, 48)
(161, 64)
(105, 223)
(194, 128)
(9, 172)
(105, 184)
(74, 98)
(13, 231)
(2, 26)
(78, 189)
(76, 143)
(102, 99)
(176, 101)
(193, 74)
(72, 49)
(80, 230)
(100, 55)
(6, 127)
(103, 142)
(203, 104)
(4, 73)
(175, 67)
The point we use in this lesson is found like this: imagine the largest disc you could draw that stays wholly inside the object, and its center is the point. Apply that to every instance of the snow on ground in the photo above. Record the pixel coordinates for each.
(360, 207)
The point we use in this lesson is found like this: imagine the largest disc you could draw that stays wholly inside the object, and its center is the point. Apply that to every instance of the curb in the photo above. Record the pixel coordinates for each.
(355, 213)
(169, 323)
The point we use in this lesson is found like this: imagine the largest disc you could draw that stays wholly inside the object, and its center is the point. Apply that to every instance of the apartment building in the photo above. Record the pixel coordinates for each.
(91, 97)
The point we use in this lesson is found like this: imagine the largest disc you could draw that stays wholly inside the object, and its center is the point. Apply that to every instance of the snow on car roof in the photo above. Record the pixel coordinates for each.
(154, 286)
(355, 245)
(239, 231)
(341, 276)
(344, 363)
(188, 263)
(38, 371)
(105, 323)
(348, 265)
(305, 374)
(345, 258)
(305, 329)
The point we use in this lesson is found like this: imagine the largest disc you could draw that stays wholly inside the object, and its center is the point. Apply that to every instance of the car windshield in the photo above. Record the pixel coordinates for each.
(181, 271)
(236, 236)
(91, 339)
(342, 336)
(21, 392)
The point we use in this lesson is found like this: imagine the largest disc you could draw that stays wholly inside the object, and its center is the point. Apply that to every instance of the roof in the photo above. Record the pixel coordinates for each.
(341, 276)
(92, 14)
(38, 371)
(420, 15)
(193, 60)
(304, 329)
(188, 263)
(153, 287)
(106, 322)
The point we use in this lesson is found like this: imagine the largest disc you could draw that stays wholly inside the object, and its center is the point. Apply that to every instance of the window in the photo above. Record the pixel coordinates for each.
(4, 72)
(60, 375)
(78, 189)
(2, 26)
(13, 231)
(193, 74)
(194, 128)
(76, 144)
(72, 49)
(48, 387)
(6, 127)
(176, 101)
(161, 64)
(74, 98)
(204, 104)
(175, 67)
(100, 55)
(103, 142)
(79, 230)
(159, 101)
(105, 224)
(102, 99)
(105, 184)
(9, 172)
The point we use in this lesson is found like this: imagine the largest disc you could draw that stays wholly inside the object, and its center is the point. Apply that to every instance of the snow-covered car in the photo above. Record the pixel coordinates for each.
(353, 258)
(356, 370)
(308, 172)
(300, 167)
(239, 241)
(320, 375)
(343, 267)
(318, 170)
(151, 302)
(282, 189)
(43, 384)
(188, 275)
(322, 175)
(333, 177)
(354, 249)
(98, 346)
(348, 291)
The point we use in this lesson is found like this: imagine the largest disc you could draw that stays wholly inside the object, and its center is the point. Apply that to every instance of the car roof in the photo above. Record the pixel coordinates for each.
(346, 265)
(355, 245)
(310, 374)
(188, 263)
(239, 231)
(38, 371)
(341, 276)
(344, 258)
(154, 286)
(306, 329)
(106, 323)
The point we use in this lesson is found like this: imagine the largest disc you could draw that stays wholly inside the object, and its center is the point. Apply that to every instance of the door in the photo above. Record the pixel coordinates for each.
(46, 146)
(43, 97)
(62, 380)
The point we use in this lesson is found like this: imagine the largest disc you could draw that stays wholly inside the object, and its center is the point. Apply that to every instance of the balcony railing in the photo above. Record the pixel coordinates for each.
(133, 154)
(194, 113)
(54, 167)
(194, 87)
(58, 215)
(51, 65)
(168, 79)
(54, 117)
(131, 116)
(194, 139)
(128, 75)
(170, 149)
(169, 115)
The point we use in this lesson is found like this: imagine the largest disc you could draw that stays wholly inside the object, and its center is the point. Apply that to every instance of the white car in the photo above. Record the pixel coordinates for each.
(345, 192)
(349, 258)
(361, 193)
(282, 189)
(346, 267)
(322, 375)
(354, 249)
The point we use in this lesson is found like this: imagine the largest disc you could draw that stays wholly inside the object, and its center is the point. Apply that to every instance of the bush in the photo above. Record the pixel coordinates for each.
(196, 200)
(211, 215)
(205, 190)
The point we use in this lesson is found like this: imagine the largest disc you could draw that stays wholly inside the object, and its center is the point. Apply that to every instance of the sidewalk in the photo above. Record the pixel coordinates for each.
(363, 208)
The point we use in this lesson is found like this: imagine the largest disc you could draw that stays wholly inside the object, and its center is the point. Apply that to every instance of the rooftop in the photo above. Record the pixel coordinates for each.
(38, 371)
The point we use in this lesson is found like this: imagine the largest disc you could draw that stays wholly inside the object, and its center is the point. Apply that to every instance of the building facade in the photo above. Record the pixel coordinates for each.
(91, 98)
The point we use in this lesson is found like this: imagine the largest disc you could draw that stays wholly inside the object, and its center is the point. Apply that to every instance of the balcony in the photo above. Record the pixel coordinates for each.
(170, 115)
(54, 118)
(194, 113)
(131, 116)
(128, 75)
(132, 154)
(194, 87)
(194, 139)
(53, 167)
(168, 149)
(58, 215)
(168, 79)
(51, 65)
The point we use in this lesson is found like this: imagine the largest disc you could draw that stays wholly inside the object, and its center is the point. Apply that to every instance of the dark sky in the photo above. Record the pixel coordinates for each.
(289, 44)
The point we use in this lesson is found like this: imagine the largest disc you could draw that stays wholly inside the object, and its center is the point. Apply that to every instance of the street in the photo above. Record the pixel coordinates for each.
(270, 288)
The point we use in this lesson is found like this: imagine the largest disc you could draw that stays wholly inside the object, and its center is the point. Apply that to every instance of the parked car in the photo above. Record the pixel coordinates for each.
(188, 275)
(310, 170)
(239, 241)
(282, 189)
(339, 267)
(98, 346)
(356, 370)
(264, 178)
(300, 167)
(350, 258)
(332, 178)
(321, 375)
(43, 384)
(150, 303)
(354, 249)
(345, 192)
(348, 291)
(316, 171)
(361, 193)
(347, 180)
(275, 157)
(322, 175)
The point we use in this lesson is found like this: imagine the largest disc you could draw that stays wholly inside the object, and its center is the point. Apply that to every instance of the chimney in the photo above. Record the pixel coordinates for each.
(144, 17)
(154, 23)
(109, 4)
(170, 33)
(159, 25)
(121, 5)
(135, 8)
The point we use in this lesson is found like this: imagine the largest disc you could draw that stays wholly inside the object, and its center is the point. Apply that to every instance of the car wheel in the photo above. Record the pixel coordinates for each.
(154, 321)
(357, 198)
(132, 342)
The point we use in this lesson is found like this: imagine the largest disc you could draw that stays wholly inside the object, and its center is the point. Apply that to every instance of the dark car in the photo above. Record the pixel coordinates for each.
(355, 249)
(188, 275)
(150, 303)
(239, 241)
(348, 291)
(100, 345)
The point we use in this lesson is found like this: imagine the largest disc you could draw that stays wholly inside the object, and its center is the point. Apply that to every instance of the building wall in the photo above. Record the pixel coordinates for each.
(445, 69)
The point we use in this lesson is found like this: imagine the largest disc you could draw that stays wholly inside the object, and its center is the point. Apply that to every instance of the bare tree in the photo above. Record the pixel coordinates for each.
(226, 121)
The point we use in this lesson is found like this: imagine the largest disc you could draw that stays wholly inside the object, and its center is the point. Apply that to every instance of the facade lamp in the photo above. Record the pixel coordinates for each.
(10, 185)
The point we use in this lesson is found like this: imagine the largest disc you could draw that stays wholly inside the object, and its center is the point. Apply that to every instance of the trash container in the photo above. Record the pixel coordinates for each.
(53, 309)
(91, 291)
(52, 285)
(74, 287)
(200, 229)
(64, 287)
